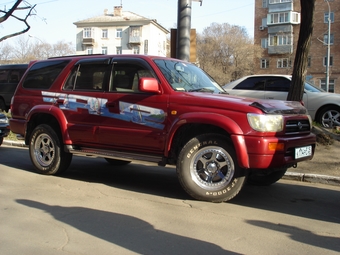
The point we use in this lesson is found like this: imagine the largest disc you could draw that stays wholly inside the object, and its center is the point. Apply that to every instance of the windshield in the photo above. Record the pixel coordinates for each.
(311, 88)
(187, 77)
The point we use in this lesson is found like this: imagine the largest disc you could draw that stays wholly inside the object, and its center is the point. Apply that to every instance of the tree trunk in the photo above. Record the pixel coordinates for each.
(302, 51)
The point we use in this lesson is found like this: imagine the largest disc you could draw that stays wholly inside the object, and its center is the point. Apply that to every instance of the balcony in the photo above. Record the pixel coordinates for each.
(135, 39)
(88, 41)
(280, 49)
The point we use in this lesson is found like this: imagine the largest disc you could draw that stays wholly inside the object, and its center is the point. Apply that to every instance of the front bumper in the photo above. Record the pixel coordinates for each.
(253, 152)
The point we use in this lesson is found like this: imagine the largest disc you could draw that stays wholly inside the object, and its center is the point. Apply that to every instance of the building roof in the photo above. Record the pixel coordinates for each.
(122, 18)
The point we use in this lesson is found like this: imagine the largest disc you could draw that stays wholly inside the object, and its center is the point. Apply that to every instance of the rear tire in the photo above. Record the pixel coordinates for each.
(46, 151)
(258, 178)
(207, 169)
(1, 140)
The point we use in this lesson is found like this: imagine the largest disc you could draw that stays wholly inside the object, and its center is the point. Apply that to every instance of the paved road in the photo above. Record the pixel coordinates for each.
(139, 209)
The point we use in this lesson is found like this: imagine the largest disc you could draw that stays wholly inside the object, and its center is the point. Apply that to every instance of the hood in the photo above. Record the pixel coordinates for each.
(240, 104)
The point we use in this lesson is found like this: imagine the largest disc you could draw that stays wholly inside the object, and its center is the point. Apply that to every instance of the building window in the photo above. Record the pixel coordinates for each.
(264, 63)
(326, 17)
(88, 32)
(325, 39)
(283, 17)
(330, 61)
(276, 18)
(104, 50)
(264, 43)
(284, 39)
(89, 50)
(279, 1)
(105, 33)
(135, 50)
(118, 50)
(309, 61)
(330, 85)
(265, 3)
(119, 32)
(283, 63)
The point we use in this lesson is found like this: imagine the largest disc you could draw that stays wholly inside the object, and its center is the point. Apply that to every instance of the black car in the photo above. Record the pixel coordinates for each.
(4, 127)
(10, 76)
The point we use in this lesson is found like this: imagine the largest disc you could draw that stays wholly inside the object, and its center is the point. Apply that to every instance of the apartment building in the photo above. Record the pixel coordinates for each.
(120, 32)
(277, 26)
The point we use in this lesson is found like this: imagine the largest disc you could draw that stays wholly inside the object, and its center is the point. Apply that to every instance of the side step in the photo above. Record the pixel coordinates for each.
(90, 152)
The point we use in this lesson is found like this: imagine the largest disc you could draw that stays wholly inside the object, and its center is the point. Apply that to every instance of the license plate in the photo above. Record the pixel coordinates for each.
(302, 152)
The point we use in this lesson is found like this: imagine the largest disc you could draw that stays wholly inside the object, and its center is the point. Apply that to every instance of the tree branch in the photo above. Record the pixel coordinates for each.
(24, 20)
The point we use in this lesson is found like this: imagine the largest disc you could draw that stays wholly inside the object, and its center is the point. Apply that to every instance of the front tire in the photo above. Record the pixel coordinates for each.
(46, 151)
(207, 169)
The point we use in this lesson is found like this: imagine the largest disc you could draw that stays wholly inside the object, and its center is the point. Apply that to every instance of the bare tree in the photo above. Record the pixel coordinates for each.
(301, 57)
(226, 52)
(23, 50)
(18, 7)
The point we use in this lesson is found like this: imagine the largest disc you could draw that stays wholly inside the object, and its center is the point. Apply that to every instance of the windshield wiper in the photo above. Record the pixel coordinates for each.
(201, 90)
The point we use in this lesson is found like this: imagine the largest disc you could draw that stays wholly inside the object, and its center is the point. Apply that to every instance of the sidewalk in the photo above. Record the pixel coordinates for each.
(301, 173)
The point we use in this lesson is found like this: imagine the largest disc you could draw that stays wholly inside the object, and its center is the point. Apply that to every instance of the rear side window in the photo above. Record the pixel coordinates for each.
(253, 83)
(11, 75)
(42, 74)
(88, 77)
(277, 84)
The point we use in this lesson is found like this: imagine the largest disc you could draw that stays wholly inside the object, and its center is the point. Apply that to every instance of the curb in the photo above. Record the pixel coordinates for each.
(312, 178)
(293, 176)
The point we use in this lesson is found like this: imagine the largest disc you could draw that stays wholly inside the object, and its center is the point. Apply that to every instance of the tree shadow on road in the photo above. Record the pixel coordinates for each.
(301, 235)
(126, 231)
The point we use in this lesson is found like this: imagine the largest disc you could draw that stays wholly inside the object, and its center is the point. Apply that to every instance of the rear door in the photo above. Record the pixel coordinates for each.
(277, 88)
(83, 99)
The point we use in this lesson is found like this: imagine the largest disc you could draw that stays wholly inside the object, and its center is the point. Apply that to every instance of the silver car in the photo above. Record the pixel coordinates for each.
(323, 107)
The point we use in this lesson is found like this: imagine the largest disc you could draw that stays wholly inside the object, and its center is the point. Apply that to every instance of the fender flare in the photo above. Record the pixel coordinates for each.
(57, 113)
(222, 121)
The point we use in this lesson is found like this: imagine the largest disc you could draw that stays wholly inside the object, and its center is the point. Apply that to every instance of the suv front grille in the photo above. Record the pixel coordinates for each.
(297, 126)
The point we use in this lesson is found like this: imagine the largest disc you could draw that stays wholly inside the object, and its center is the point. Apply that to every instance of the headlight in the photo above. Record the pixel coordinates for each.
(265, 123)
(4, 120)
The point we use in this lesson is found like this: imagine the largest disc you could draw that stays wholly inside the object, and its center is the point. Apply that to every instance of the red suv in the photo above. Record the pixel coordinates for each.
(161, 110)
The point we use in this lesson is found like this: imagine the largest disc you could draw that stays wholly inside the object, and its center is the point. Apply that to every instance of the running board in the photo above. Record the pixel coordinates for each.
(90, 152)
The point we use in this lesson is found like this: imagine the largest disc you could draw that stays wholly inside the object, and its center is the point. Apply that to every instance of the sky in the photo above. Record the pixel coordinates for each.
(54, 19)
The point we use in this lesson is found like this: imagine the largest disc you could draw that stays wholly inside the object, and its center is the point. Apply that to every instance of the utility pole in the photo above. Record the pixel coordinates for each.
(328, 47)
(183, 29)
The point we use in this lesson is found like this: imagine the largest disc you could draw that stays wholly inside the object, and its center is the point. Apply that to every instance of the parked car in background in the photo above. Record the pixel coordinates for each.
(10, 76)
(4, 127)
(323, 107)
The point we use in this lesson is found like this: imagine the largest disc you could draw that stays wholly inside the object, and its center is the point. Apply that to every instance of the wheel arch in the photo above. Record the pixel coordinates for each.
(52, 116)
(322, 108)
(191, 125)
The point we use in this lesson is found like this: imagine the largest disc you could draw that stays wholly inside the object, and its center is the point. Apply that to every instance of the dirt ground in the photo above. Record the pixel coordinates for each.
(326, 160)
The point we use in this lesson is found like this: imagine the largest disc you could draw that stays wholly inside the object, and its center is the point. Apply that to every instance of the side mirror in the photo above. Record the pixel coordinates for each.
(149, 85)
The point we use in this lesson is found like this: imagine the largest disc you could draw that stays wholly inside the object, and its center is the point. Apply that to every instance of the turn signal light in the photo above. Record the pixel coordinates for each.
(276, 146)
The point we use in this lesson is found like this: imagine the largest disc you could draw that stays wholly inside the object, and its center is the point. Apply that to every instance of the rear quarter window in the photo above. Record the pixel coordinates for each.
(42, 74)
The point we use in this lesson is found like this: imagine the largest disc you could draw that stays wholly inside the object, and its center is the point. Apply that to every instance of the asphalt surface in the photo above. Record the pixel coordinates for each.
(294, 176)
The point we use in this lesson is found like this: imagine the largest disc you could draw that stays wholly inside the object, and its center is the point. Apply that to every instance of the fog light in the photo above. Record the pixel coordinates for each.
(276, 146)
